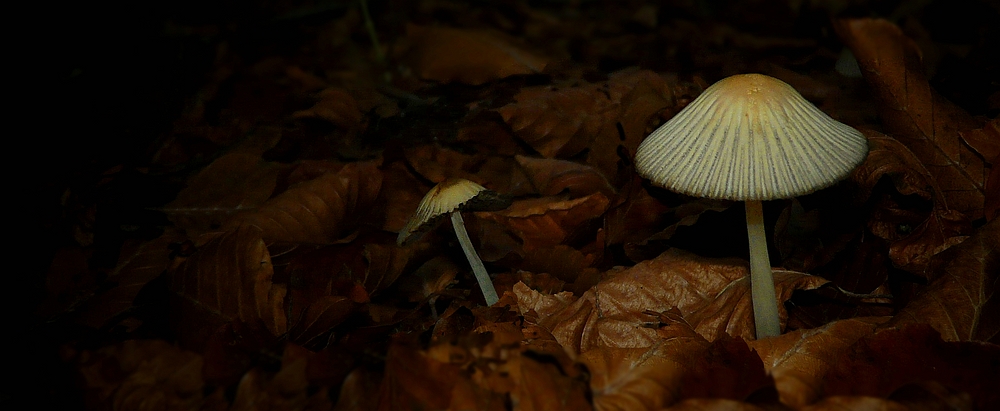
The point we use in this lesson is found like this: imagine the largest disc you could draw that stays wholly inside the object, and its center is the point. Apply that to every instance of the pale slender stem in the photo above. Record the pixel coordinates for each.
(765, 302)
(485, 283)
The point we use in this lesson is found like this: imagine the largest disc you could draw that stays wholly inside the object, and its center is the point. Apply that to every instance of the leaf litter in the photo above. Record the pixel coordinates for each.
(283, 287)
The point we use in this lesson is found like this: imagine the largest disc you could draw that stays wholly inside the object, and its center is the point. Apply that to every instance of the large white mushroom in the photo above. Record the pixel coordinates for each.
(751, 137)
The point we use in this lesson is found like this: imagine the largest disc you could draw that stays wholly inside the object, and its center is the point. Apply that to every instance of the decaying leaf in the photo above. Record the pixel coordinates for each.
(136, 267)
(318, 211)
(548, 221)
(711, 294)
(465, 56)
(560, 121)
(915, 114)
(233, 183)
(928, 233)
(961, 302)
(799, 360)
(141, 374)
(228, 279)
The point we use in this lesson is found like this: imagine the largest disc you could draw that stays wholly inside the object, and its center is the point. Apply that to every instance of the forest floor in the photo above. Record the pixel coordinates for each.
(220, 231)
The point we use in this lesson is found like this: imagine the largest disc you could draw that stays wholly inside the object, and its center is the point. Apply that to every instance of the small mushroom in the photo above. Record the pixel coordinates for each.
(453, 196)
(751, 137)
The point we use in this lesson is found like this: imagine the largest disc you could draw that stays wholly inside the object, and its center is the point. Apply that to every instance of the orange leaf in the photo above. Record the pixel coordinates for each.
(915, 114)
(466, 56)
(318, 211)
(337, 107)
(961, 302)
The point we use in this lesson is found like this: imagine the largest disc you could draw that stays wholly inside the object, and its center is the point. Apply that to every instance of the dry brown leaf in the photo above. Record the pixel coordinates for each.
(931, 233)
(401, 193)
(321, 316)
(414, 380)
(644, 100)
(915, 114)
(560, 121)
(287, 389)
(711, 294)
(713, 404)
(437, 164)
(235, 182)
(228, 279)
(554, 177)
(466, 56)
(548, 221)
(680, 365)
(799, 360)
(143, 374)
(843, 403)
(542, 386)
(881, 364)
(961, 302)
(336, 106)
(137, 266)
(318, 211)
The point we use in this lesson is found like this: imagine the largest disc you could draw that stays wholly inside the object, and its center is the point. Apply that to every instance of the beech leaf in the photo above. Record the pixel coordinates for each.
(961, 302)
(235, 182)
(317, 211)
(915, 114)
(450, 55)
(711, 294)
(229, 279)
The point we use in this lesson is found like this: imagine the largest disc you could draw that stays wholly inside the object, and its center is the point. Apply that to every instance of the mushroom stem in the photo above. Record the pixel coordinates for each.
(485, 283)
(762, 295)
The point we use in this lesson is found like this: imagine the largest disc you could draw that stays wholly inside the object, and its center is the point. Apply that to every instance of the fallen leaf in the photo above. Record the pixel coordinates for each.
(336, 106)
(915, 114)
(711, 294)
(645, 99)
(233, 183)
(859, 403)
(137, 266)
(560, 121)
(680, 365)
(318, 211)
(548, 221)
(554, 177)
(961, 300)
(800, 360)
(228, 279)
(880, 364)
(450, 55)
(143, 374)
(929, 233)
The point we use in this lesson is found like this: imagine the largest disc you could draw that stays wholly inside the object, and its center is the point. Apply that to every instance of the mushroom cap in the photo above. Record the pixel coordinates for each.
(447, 196)
(750, 137)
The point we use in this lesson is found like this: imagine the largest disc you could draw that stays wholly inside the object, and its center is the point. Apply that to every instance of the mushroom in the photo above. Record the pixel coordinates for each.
(751, 137)
(452, 196)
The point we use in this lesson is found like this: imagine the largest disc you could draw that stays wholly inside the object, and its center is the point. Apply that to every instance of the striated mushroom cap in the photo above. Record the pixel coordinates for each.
(447, 196)
(750, 137)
